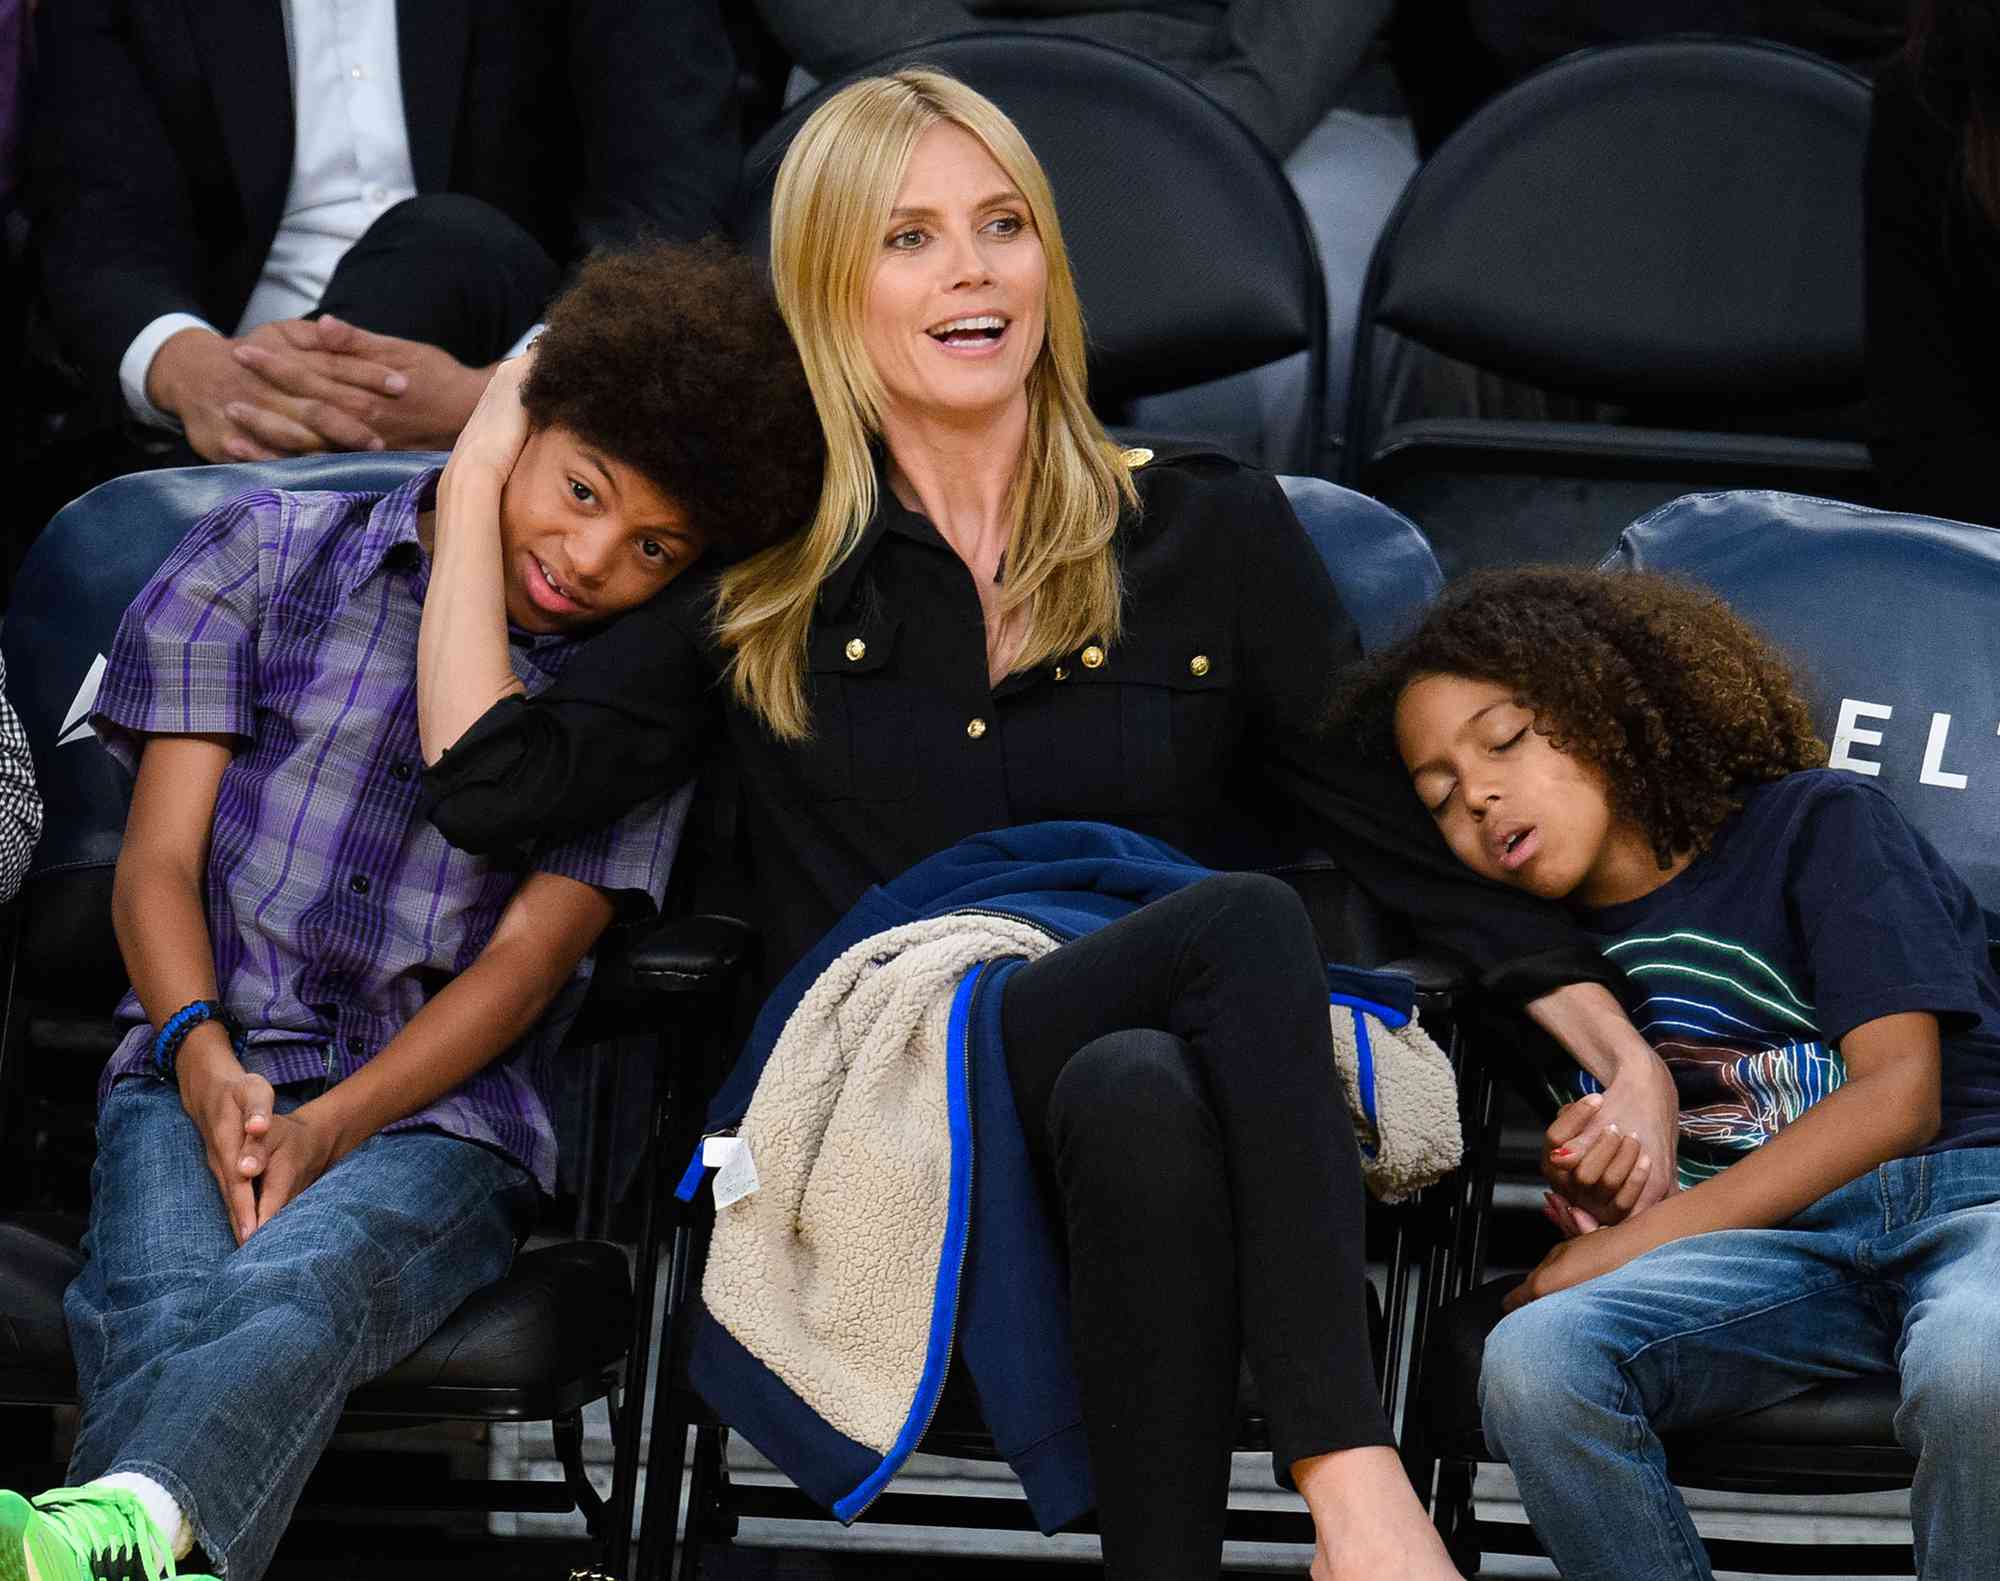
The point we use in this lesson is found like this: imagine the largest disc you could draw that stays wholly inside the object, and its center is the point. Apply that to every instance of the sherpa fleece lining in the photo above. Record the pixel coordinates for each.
(827, 1274)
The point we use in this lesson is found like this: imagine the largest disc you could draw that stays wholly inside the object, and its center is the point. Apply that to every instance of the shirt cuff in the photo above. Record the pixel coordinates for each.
(528, 337)
(138, 362)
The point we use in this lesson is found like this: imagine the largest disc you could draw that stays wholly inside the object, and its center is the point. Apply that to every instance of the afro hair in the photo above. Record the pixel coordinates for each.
(673, 360)
(1658, 685)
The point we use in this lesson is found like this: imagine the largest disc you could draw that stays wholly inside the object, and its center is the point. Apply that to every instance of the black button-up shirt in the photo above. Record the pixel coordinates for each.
(1204, 724)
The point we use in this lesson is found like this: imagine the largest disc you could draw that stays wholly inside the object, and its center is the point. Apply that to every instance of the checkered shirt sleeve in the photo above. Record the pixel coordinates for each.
(184, 659)
(20, 803)
(630, 859)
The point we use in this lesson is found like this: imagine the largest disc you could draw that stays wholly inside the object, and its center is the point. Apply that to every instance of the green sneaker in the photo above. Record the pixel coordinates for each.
(90, 1534)
(15, 1513)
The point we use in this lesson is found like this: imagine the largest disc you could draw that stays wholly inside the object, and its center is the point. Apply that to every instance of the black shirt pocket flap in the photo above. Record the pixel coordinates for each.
(851, 647)
(1180, 663)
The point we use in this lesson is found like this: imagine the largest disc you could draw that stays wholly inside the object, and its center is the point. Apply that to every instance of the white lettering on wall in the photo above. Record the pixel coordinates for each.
(1847, 733)
(1935, 772)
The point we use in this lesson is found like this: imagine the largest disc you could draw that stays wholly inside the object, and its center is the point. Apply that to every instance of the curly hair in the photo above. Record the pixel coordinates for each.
(673, 360)
(1658, 685)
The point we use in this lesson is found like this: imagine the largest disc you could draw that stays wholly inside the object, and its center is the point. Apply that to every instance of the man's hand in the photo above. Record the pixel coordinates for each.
(439, 391)
(231, 1108)
(1572, 1262)
(231, 413)
(303, 1147)
(285, 353)
(1594, 1185)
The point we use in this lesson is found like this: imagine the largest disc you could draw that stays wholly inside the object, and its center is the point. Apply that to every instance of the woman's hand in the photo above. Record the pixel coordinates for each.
(1572, 1262)
(1598, 1183)
(491, 440)
(1639, 1094)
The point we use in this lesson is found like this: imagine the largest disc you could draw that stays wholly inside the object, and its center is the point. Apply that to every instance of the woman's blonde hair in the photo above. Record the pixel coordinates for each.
(829, 215)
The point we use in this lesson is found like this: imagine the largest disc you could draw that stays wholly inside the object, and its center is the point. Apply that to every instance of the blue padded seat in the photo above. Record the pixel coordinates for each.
(1893, 624)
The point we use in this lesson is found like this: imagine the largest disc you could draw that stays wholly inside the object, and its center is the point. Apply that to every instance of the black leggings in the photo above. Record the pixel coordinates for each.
(1175, 1078)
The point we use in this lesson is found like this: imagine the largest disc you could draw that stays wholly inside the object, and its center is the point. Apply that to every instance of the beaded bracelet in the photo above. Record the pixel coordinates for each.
(168, 1040)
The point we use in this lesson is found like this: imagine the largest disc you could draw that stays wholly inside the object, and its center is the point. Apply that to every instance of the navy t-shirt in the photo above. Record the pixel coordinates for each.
(1816, 909)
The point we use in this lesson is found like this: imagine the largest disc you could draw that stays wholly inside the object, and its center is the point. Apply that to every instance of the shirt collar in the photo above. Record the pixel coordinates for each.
(891, 516)
(392, 524)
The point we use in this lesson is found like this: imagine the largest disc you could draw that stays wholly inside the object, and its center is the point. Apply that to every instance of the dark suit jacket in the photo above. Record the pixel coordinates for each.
(1933, 282)
(1279, 65)
(161, 147)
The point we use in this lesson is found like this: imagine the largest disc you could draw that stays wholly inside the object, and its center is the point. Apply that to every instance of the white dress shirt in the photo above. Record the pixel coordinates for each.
(350, 162)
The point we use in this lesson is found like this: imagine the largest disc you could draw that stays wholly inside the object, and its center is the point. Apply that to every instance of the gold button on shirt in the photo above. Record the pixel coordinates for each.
(1198, 665)
(976, 728)
(1092, 656)
(857, 650)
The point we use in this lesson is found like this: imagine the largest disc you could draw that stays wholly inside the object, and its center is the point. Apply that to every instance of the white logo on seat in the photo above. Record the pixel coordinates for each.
(76, 723)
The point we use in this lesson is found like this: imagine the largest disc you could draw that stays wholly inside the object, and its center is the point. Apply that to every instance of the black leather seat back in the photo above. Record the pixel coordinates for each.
(1660, 221)
(1192, 256)
(1671, 227)
(68, 598)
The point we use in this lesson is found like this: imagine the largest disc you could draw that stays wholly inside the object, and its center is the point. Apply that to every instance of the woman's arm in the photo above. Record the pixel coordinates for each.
(630, 718)
(1639, 1093)
(1297, 639)
(1887, 1108)
(548, 927)
(160, 915)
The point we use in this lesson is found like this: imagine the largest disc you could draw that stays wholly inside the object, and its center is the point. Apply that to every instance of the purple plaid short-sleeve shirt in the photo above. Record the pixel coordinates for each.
(335, 909)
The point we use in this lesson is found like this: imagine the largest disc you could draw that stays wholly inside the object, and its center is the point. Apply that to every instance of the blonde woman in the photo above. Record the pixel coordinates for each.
(995, 618)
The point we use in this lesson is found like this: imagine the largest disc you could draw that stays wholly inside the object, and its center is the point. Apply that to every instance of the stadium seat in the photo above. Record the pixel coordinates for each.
(1671, 228)
(1386, 575)
(1892, 623)
(1192, 256)
(568, 1325)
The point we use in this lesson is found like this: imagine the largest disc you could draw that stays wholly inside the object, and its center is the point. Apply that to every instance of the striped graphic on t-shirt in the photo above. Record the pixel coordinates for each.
(1741, 1041)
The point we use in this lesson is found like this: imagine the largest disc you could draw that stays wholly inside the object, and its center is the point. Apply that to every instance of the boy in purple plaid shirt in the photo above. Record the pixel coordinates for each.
(323, 1131)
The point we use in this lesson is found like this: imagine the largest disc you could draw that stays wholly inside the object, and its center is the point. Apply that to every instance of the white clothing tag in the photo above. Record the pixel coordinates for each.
(718, 1150)
(736, 1170)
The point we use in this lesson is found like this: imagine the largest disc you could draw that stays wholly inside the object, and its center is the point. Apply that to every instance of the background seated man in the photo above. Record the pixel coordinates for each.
(325, 1127)
(204, 178)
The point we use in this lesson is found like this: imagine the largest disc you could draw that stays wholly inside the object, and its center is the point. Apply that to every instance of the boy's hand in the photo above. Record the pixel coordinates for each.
(491, 440)
(232, 1110)
(303, 1147)
(1599, 1181)
(1574, 1261)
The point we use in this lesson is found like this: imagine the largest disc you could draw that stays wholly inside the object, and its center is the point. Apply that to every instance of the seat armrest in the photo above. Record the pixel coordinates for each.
(681, 955)
(1435, 976)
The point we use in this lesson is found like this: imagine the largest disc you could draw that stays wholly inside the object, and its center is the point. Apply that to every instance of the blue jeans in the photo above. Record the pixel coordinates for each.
(1897, 1272)
(219, 1371)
